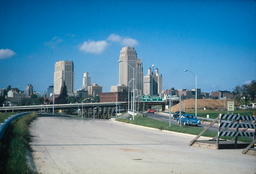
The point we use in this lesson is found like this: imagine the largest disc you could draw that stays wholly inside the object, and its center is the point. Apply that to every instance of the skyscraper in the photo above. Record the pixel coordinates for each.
(86, 81)
(94, 90)
(29, 90)
(49, 91)
(64, 72)
(129, 60)
(152, 83)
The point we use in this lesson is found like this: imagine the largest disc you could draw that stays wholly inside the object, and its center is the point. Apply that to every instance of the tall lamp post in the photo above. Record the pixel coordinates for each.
(170, 110)
(195, 89)
(129, 94)
(133, 100)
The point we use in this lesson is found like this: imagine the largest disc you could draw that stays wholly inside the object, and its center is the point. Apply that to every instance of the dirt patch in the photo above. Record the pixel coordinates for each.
(132, 150)
(209, 104)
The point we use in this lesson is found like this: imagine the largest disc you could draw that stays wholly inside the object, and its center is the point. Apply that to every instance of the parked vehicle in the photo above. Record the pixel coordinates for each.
(187, 119)
(151, 111)
(177, 114)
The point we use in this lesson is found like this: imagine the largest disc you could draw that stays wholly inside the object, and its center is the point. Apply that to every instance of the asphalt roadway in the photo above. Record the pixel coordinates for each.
(69, 145)
(165, 117)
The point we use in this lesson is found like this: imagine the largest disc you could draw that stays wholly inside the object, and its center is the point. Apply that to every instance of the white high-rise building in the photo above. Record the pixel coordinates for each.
(152, 83)
(128, 61)
(86, 81)
(64, 71)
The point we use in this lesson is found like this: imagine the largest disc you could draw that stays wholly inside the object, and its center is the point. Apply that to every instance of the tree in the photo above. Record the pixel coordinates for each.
(252, 90)
(2, 99)
(39, 100)
(246, 93)
(33, 100)
(73, 99)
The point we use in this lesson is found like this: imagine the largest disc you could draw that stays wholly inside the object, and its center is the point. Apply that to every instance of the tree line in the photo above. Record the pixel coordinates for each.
(245, 94)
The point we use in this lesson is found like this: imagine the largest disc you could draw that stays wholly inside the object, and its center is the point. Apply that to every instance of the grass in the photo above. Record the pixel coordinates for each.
(149, 122)
(214, 114)
(14, 144)
(4, 116)
(161, 125)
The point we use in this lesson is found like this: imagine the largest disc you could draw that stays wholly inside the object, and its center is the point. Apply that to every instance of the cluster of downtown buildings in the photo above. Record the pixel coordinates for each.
(131, 78)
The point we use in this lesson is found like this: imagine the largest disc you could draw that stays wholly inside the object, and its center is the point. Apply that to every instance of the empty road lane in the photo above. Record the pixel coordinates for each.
(69, 145)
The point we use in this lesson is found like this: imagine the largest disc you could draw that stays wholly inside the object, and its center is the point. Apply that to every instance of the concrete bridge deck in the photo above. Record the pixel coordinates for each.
(69, 145)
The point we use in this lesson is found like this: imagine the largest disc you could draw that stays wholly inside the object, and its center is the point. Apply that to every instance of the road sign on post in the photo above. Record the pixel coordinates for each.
(230, 106)
(157, 99)
(146, 98)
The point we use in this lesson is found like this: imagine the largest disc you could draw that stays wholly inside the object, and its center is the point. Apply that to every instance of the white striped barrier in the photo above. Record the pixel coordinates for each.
(238, 125)
(237, 117)
(234, 134)
(237, 121)
(231, 125)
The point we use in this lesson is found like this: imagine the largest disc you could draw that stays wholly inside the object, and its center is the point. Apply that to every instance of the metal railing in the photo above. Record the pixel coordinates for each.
(7, 122)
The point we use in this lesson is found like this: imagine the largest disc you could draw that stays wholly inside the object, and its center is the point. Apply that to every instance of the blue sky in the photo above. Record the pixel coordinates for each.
(216, 40)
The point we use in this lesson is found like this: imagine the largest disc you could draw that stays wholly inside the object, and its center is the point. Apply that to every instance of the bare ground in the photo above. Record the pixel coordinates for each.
(201, 104)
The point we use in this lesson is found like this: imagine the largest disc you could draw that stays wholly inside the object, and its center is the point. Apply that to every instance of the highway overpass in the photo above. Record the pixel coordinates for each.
(98, 108)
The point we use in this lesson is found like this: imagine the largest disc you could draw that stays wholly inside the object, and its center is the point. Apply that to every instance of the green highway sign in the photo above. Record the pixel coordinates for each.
(146, 98)
(157, 99)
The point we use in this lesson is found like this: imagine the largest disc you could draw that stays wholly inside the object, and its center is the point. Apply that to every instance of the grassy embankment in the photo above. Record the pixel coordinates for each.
(4, 116)
(14, 144)
(149, 122)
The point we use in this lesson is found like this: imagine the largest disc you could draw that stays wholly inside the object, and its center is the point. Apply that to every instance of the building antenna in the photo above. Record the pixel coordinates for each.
(153, 68)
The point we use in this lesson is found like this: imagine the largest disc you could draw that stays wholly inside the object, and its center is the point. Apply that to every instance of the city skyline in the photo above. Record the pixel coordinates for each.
(215, 40)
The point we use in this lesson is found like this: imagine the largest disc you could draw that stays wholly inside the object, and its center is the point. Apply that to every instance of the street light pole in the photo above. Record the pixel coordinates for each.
(133, 95)
(170, 110)
(133, 87)
(195, 89)
(129, 94)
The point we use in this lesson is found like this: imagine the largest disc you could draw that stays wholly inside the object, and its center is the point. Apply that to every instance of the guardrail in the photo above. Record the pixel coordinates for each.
(7, 122)
(211, 119)
(207, 119)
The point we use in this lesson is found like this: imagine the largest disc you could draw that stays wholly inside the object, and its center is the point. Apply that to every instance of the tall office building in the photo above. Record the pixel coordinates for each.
(29, 90)
(86, 81)
(152, 83)
(64, 72)
(129, 61)
(49, 91)
(94, 90)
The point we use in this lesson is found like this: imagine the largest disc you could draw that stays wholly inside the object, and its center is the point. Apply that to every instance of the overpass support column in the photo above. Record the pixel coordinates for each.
(163, 106)
(103, 112)
(98, 111)
(105, 115)
(87, 112)
(108, 111)
(93, 113)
